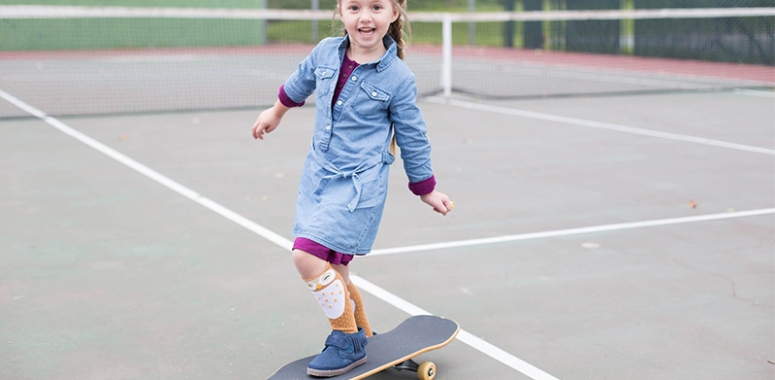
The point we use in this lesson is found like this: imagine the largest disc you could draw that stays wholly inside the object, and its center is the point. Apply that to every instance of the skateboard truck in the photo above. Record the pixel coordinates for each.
(425, 370)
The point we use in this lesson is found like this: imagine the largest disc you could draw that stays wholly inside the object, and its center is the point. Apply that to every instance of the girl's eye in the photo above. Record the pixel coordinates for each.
(377, 7)
(353, 7)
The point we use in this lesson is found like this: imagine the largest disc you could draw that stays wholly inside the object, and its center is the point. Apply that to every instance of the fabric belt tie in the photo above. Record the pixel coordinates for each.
(337, 173)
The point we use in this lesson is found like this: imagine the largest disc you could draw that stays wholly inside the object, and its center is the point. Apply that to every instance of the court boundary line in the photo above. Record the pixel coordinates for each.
(760, 94)
(597, 125)
(390, 298)
(570, 232)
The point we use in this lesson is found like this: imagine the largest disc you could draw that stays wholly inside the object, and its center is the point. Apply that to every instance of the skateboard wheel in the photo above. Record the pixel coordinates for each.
(426, 371)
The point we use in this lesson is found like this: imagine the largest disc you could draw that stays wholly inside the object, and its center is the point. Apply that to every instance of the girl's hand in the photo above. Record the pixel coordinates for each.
(439, 201)
(268, 120)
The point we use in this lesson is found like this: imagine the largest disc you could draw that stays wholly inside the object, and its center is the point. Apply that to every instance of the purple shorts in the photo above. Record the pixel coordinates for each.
(321, 251)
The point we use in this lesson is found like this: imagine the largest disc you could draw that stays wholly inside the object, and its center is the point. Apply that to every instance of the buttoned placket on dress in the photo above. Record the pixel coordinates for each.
(326, 136)
(350, 83)
(337, 107)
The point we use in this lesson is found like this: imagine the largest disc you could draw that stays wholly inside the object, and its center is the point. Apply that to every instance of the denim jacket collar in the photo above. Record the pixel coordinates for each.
(383, 62)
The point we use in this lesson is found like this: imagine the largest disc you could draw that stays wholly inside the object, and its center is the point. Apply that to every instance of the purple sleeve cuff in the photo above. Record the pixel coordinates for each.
(285, 100)
(423, 187)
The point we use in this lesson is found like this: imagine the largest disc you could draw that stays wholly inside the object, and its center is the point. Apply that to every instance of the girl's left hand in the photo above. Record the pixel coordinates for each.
(439, 201)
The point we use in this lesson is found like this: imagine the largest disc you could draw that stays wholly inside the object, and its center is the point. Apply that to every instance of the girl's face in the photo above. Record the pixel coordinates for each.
(366, 22)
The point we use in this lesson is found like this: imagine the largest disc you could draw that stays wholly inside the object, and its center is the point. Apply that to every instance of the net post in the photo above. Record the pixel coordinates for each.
(315, 6)
(471, 24)
(262, 39)
(508, 30)
(627, 30)
(446, 55)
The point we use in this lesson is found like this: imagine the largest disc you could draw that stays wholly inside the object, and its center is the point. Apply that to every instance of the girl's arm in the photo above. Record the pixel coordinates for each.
(415, 147)
(299, 85)
(269, 120)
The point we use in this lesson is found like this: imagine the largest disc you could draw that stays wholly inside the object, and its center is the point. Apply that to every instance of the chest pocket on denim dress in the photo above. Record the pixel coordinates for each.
(371, 101)
(323, 77)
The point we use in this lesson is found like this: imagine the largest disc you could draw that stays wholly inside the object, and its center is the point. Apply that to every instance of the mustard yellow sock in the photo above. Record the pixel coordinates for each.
(360, 312)
(332, 295)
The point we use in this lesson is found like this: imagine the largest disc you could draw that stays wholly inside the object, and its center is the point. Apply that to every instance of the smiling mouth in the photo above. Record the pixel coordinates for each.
(367, 31)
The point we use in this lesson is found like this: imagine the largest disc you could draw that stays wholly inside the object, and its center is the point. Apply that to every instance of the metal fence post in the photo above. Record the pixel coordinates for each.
(315, 36)
(508, 30)
(262, 39)
(472, 25)
(446, 56)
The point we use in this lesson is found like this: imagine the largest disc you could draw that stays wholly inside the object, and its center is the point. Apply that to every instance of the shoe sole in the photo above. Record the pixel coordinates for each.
(335, 372)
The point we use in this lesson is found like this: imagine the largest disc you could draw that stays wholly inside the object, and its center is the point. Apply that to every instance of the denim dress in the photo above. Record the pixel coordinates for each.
(344, 184)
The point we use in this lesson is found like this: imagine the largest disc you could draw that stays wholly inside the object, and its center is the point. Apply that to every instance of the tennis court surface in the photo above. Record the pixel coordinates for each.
(619, 228)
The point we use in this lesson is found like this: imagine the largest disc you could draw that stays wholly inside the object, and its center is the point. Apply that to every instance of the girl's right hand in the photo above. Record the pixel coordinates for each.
(267, 122)
(269, 119)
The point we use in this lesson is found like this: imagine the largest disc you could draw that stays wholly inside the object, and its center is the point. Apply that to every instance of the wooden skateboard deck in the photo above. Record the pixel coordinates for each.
(414, 336)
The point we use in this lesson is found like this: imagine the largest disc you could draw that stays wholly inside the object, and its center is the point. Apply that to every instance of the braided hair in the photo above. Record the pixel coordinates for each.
(396, 28)
(396, 31)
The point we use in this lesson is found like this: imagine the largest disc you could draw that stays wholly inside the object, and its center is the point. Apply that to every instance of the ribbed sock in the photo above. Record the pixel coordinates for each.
(360, 312)
(332, 295)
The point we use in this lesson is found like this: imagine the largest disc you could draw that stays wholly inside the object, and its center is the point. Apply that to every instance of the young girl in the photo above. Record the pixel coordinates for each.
(365, 102)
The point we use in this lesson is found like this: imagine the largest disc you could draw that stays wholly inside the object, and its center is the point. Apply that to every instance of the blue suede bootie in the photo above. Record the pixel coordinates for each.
(343, 352)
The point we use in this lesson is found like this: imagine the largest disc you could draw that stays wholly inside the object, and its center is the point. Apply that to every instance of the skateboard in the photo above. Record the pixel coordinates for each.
(395, 348)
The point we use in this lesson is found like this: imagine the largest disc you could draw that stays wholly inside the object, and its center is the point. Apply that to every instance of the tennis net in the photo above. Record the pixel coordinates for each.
(68, 60)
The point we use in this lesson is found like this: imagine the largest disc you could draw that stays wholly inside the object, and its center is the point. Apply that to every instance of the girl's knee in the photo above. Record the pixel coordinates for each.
(307, 264)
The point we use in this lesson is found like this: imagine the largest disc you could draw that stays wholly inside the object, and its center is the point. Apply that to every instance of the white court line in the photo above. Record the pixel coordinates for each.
(598, 125)
(761, 94)
(571, 231)
(463, 336)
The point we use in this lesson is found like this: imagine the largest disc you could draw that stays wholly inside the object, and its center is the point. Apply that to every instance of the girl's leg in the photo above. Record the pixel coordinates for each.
(346, 346)
(329, 288)
(360, 312)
